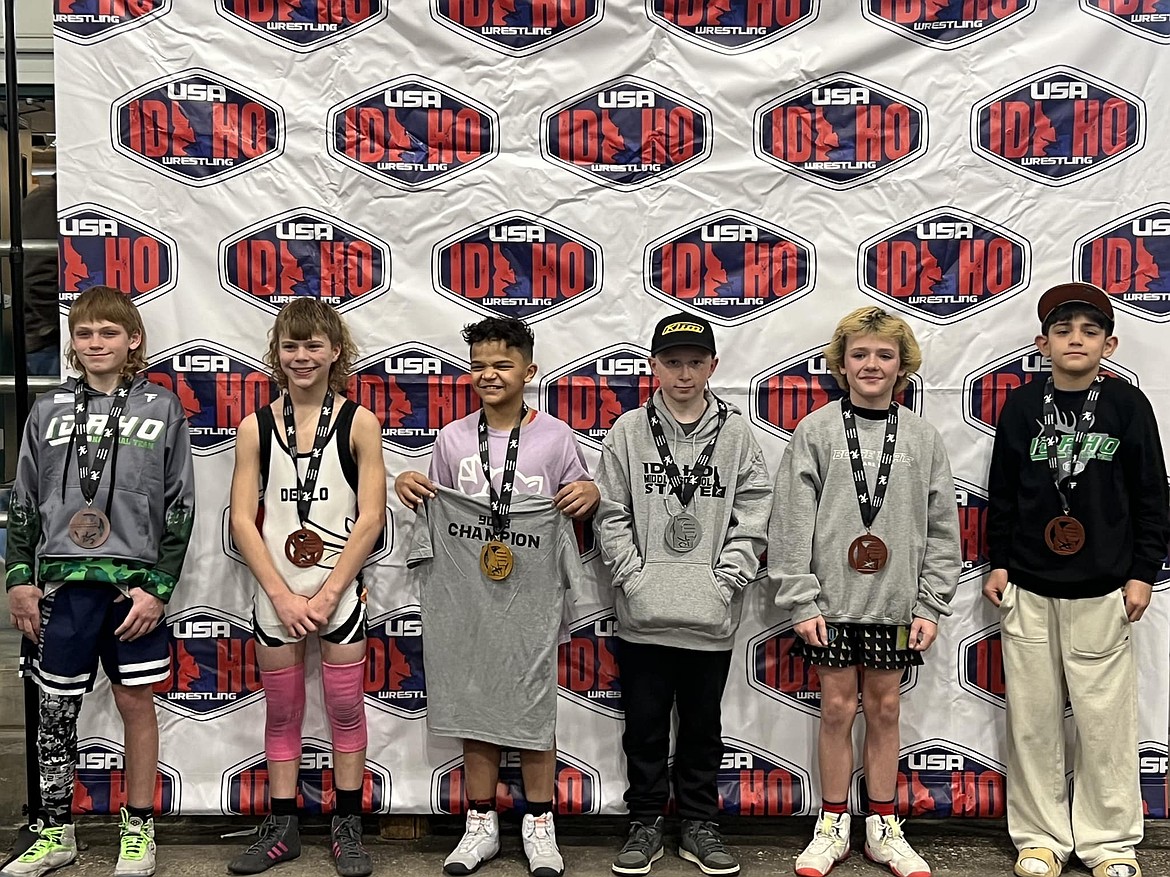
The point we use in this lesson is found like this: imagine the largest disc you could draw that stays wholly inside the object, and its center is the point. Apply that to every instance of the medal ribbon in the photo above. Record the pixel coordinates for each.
(502, 501)
(306, 490)
(90, 475)
(870, 506)
(1052, 441)
(684, 488)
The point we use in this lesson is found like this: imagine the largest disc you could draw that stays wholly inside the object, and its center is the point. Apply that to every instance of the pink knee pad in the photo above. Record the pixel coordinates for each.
(284, 702)
(345, 704)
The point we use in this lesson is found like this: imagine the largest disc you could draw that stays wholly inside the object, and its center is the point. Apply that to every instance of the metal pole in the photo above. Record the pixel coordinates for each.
(19, 366)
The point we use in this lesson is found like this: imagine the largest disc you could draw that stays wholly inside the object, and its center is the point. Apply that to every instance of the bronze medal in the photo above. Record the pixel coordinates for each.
(868, 554)
(496, 561)
(303, 548)
(1064, 535)
(89, 528)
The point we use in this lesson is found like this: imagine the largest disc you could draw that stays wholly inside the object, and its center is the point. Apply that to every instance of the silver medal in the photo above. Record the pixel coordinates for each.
(683, 533)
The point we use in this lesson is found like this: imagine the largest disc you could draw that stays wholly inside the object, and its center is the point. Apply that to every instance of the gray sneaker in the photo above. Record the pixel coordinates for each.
(55, 846)
(702, 844)
(279, 841)
(539, 836)
(349, 856)
(136, 847)
(643, 847)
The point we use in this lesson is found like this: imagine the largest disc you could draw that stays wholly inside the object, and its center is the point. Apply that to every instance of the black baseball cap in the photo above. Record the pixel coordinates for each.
(682, 330)
(1083, 293)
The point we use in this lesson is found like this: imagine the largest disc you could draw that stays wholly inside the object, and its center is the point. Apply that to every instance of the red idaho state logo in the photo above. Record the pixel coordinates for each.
(732, 26)
(840, 131)
(99, 246)
(944, 265)
(946, 24)
(518, 265)
(972, 503)
(197, 127)
(413, 133)
(395, 682)
(1129, 257)
(303, 252)
(303, 25)
(1155, 779)
(753, 782)
(213, 665)
(595, 390)
(518, 27)
(587, 665)
(729, 266)
(414, 390)
(985, 390)
(1145, 18)
(578, 786)
(626, 133)
(784, 394)
(941, 779)
(217, 386)
(773, 670)
(90, 21)
(244, 787)
(99, 781)
(1058, 125)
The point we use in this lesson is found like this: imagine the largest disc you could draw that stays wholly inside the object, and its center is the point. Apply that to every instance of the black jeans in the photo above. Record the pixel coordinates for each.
(654, 679)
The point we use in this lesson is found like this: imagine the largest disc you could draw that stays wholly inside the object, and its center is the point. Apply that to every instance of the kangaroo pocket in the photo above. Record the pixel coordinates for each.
(672, 595)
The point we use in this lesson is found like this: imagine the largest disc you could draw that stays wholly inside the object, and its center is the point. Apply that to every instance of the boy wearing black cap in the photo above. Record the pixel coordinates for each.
(1077, 530)
(685, 499)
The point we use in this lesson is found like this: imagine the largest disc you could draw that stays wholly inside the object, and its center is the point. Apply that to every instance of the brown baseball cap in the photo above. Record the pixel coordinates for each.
(1063, 293)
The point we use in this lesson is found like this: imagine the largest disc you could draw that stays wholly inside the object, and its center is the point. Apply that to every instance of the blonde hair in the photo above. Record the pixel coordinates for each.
(104, 304)
(300, 320)
(874, 321)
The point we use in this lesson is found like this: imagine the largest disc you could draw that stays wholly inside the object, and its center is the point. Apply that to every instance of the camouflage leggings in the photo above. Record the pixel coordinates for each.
(57, 751)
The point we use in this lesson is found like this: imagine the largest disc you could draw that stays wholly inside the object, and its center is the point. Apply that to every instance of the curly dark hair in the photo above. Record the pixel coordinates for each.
(513, 332)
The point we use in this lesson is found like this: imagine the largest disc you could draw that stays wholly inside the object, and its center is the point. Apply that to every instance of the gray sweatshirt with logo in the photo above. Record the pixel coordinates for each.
(662, 596)
(816, 517)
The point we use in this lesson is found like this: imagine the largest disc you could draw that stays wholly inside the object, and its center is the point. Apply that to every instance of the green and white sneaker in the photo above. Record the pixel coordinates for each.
(136, 850)
(56, 845)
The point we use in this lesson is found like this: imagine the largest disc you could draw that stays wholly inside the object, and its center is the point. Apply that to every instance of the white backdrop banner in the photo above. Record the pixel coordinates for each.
(590, 165)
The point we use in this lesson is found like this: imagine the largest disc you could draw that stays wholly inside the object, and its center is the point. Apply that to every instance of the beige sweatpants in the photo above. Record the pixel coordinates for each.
(1082, 650)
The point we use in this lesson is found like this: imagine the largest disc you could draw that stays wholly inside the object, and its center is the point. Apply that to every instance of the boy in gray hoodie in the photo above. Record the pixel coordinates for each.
(685, 498)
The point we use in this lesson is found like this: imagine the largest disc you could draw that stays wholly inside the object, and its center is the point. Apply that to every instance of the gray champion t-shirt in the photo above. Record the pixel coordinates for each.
(490, 648)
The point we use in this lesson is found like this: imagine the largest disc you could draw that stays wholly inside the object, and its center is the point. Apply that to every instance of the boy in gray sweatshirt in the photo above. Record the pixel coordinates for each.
(864, 551)
(685, 498)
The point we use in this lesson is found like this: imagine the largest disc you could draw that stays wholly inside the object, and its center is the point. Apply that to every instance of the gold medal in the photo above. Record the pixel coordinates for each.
(496, 561)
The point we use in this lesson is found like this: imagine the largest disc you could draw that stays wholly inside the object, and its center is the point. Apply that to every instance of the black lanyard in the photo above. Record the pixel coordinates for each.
(1081, 431)
(306, 490)
(502, 501)
(90, 475)
(870, 506)
(684, 488)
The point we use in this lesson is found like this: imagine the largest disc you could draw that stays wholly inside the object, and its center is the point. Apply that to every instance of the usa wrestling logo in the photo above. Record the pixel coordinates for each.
(99, 781)
(1155, 780)
(592, 392)
(244, 787)
(90, 21)
(518, 265)
(986, 389)
(217, 386)
(730, 267)
(578, 786)
(197, 127)
(303, 25)
(784, 394)
(753, 782)
(732, 26)
(776, 672)
(1149, 19)
(414, 390)
(626, 133)
(944, 265)
(303, 252)
(101, 247)
(413, 133)
(1129, 258)
(972, 502)
(941, 779)
(395, 682)
(840, 131)
(1058, 126)
(946, 24)
(518, 27)
(213, 665)
(587, 665)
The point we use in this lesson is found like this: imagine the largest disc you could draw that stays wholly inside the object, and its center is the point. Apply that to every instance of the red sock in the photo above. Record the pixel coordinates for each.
(882, 808)
(834, 807)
